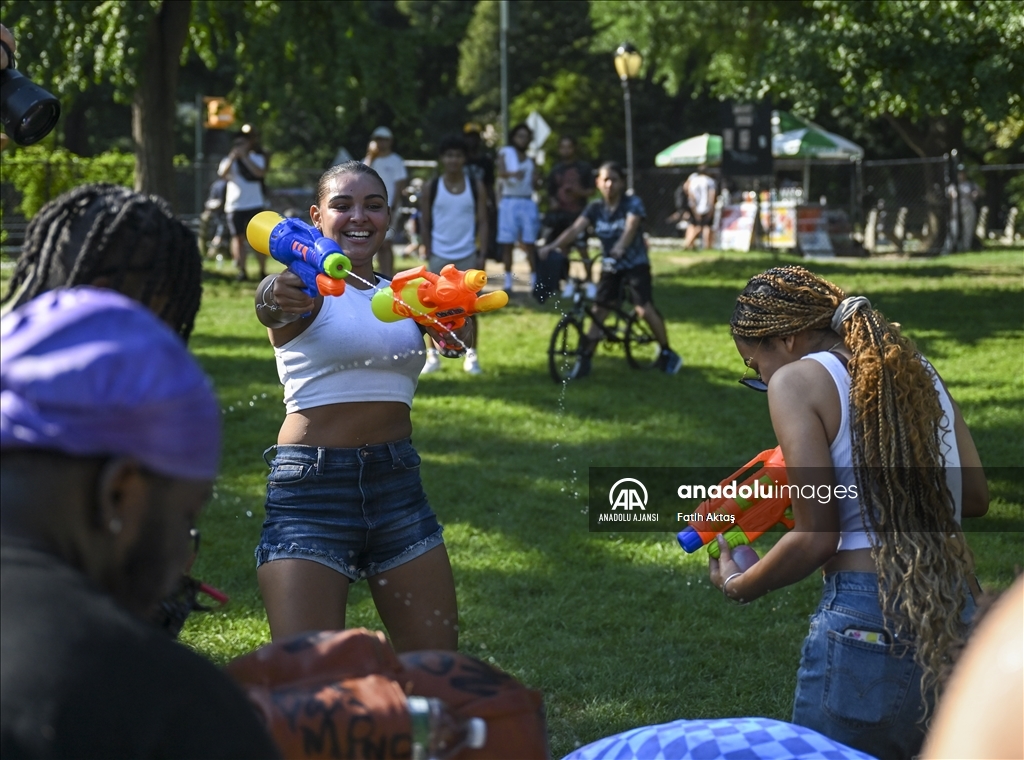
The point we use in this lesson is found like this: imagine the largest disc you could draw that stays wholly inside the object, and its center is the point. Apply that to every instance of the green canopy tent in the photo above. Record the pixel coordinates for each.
(702, 149)
(794, 139)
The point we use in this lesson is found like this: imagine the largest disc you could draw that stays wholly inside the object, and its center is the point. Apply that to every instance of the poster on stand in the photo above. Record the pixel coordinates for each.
(736, 231)
(781, 231)
(812, 231)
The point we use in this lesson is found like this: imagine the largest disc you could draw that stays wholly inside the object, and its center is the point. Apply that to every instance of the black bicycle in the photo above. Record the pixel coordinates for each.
(620, 328)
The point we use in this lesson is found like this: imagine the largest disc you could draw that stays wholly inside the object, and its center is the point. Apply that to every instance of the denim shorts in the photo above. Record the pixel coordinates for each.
(851, 687)
(358, 511)
(518, 220)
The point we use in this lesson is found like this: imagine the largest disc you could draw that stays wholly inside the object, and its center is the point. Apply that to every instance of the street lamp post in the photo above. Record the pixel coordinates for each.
(627, 65)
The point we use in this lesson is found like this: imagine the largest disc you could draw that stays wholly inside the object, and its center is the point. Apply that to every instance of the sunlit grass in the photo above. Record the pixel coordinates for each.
(617, 630)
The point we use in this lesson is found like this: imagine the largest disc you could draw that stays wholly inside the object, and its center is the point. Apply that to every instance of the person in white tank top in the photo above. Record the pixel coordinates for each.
(865, 410)
(344, 496)
(518, 217)
(453, 227)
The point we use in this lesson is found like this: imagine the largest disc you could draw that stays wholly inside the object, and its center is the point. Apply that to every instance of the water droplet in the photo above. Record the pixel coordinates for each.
(248, 513)
(252, 403)
(408, 603)
(454, 627)
(447, 623)
(483, 645)
(398, 595)
(409, 595)
(263, 395)
(437, 612)
(430, 622)
(254, 397)
(555, 446)
(382, 582)
(231, 408)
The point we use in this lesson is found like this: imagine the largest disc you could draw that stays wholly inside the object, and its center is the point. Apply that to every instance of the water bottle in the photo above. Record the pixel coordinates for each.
(437, 734)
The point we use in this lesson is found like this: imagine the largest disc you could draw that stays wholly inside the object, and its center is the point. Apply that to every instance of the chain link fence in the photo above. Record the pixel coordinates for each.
(914, 206)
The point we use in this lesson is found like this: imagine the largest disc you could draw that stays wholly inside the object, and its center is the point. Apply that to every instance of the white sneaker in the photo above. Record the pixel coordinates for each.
(508, 282)
(433, 363)
(471, 363)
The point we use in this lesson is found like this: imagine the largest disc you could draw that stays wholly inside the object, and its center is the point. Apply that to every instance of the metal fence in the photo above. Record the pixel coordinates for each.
(913, 206)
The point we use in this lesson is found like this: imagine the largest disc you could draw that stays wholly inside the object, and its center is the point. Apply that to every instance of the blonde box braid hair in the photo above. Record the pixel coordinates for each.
(920, 554)
(104, 230)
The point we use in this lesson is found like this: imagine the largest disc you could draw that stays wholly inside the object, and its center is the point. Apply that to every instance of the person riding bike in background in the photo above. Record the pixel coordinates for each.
(617, 219)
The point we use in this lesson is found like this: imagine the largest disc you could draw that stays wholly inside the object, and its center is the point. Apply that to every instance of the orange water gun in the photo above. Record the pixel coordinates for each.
(747, 508)
(432, 300)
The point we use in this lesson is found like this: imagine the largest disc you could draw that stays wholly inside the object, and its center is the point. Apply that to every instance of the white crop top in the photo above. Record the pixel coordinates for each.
(853, 533)
(349, 355)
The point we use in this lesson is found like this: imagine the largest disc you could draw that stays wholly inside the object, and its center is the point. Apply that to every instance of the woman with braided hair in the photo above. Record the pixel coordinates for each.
(109, 236)
(860, 414)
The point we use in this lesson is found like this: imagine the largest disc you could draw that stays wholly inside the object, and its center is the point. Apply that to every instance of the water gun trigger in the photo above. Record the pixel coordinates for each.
(328, 286)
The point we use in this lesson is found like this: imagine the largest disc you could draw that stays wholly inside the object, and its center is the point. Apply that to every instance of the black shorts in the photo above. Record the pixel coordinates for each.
(703, 220)
(636, 279)
(239, 220)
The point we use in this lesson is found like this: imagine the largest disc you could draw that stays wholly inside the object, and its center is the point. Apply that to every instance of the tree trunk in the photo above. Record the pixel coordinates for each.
(155, 101)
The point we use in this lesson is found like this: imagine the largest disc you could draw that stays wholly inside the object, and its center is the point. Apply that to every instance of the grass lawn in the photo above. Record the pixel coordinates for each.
(617, 630)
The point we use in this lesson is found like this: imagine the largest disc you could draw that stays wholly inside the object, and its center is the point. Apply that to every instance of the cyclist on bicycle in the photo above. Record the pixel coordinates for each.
(617, 219)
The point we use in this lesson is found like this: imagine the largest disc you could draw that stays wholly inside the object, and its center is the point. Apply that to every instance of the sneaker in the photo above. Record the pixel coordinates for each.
(471, 363)
(582, 367)
(433, 363)
(669, 362)
(508, 282)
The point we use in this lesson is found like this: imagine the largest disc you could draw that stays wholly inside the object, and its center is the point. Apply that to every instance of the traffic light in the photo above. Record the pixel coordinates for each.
(219, 113)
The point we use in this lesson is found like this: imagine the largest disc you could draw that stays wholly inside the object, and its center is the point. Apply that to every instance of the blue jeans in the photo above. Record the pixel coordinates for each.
(357, 511)
(852, 688)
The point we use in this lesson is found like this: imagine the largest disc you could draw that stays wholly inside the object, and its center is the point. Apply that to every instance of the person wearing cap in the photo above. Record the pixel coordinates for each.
(111, 437)
(391, 168)
(244, 168)
(885, 469)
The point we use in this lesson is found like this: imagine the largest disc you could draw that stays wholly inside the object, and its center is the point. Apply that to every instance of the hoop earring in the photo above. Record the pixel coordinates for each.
(389, 234)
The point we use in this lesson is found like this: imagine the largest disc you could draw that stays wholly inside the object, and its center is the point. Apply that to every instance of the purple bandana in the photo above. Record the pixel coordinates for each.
(90, 372)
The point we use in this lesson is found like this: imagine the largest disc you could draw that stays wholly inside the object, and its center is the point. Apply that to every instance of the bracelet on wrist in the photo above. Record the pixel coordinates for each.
(274, 305)
(725, 587)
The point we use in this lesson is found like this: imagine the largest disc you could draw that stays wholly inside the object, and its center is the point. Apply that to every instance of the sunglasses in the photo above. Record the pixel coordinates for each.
(755, 382)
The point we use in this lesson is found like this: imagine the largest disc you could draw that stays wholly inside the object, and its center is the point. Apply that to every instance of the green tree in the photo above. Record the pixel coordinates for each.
(135, 46)
(545, 39)
(929, 69)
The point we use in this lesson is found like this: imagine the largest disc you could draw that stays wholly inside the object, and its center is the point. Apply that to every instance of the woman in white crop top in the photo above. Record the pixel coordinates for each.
(864, 410)
(344, 498)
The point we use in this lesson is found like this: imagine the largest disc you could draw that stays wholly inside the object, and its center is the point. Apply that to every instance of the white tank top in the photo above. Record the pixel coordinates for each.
(349, 355)
(510, 186)
(853, 534)
(453, 223)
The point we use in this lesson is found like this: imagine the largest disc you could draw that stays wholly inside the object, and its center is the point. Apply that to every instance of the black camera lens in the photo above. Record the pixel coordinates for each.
(27, 111)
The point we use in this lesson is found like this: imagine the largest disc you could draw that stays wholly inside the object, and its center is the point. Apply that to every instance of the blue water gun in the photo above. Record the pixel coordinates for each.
(317, 260)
